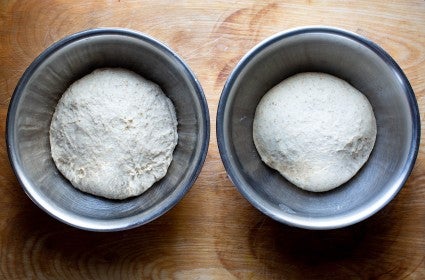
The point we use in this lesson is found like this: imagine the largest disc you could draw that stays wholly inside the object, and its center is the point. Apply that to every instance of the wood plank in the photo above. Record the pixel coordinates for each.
(213, 233)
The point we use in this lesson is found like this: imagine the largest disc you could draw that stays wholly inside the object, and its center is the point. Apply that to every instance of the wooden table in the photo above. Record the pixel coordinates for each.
(213, 233)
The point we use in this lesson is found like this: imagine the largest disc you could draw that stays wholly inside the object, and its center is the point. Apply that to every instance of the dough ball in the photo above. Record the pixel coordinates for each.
(113, 133)
(315, 129)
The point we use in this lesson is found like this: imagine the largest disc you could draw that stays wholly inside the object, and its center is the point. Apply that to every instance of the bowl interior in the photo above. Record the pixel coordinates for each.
(362, 65)
(38, 93)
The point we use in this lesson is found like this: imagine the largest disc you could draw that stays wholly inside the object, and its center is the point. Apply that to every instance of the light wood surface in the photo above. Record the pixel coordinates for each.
(213, 233)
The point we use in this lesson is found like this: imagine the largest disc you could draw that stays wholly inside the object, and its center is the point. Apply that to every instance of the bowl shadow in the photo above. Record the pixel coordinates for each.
(375, 247)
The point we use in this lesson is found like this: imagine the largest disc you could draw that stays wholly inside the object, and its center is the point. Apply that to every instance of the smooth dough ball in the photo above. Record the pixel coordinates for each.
(315, 129)
(113, 133)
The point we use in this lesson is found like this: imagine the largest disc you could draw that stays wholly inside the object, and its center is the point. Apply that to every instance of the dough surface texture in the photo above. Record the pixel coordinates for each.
(315, 129)
(113, 133)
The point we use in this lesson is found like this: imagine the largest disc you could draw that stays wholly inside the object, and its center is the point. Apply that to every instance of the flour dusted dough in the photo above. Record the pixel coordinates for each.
(113, 133)
(315, 129)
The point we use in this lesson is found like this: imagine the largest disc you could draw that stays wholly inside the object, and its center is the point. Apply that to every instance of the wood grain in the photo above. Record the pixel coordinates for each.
(213, 233)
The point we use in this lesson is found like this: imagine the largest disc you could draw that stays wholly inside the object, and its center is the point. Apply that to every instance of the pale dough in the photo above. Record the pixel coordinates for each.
(113, 133)
(315, 129)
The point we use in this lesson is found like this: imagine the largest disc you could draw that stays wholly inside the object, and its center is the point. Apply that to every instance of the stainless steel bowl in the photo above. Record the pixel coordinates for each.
(34, 101)
(364, 65)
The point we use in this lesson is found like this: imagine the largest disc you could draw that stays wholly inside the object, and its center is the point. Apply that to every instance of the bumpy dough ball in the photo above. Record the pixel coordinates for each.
(113, 133)
(315, 129)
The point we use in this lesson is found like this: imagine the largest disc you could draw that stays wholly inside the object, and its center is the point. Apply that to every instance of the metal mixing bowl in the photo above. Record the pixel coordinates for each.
(33, 104)
(365, 66)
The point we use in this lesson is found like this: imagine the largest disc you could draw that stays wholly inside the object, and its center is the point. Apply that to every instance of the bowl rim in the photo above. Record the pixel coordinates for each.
(326, 222)
(92, 224)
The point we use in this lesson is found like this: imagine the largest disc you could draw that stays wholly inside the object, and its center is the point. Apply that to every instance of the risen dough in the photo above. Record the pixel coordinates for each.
(113, 133)
(315, 129)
